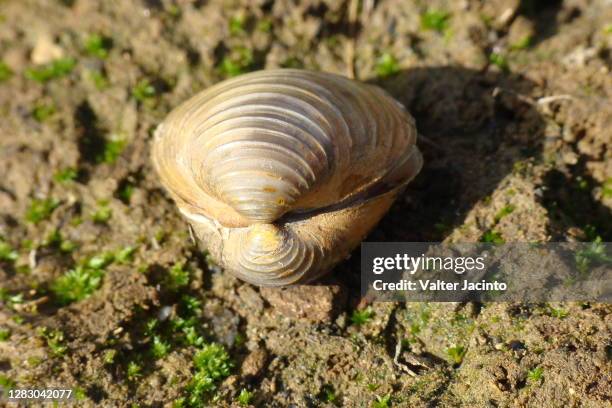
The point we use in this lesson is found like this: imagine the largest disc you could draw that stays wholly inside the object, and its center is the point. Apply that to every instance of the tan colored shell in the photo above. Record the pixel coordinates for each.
(283, 172)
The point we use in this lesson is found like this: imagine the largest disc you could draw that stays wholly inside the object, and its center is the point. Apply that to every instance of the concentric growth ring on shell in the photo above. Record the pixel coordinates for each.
(269, 255)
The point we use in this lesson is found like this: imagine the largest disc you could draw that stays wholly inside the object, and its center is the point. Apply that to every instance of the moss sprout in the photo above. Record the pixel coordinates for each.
(56, 69)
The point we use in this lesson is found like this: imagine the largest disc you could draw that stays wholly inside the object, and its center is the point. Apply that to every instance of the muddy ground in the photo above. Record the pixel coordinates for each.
(104, 292)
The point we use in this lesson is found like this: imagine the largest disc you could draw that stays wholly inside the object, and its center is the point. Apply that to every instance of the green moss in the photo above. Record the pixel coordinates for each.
(178, 277)
(143, 91)
(5, 72)
(55, 341)
(99, 80)
(112, 150)
(386, 65)
(5, 334)
(607, 188)
(265, 25)
(66, 175)
(7, 253)
(292, 62)
(499, 60)
(56, 69)
(245, 397)
(97, 45)
(506, 210)
(557, 312)
(212, 364)
(102, 214)
(456, 354)
(10, 299)
(382, 401)
(7, 383)
(159, 348)
(492, 237)
(76, 284)
(328, 394)
(109, 356)
(535, 375)
(40, 210)
(523, 43)
(79, 394)
(435, 20)
(360, 317)
(43, 111)
(239, 61)
(237, 25)
(55, 239)
(125, 192)
(134, 370)
(125, 255)
(593, 253)
(34, 361)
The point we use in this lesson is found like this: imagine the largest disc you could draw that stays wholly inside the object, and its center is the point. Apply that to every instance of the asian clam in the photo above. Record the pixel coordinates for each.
(281, 173)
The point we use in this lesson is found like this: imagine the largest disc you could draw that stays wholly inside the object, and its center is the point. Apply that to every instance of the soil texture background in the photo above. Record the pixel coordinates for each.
(103, 290)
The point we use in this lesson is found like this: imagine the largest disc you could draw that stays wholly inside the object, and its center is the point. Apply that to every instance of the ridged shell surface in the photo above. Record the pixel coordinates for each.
(274, 147)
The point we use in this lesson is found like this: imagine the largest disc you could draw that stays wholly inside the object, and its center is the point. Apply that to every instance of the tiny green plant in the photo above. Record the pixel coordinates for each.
(178, 277)
(113, 148)
(55, 341)
(79, 394)
(499, 60)
(98, 45)
(382, 401)
(435, 20)
(43, 111)
(212, 364)
(239, 61)
(55, 239)
(76, 284)
(360, 317)
(143, 90)
(7, 253)
(125, 254)
(264, 25)
(5, 72)
(523, 43)
(492, 237)
(386, 65)
(245, 397)
(328, 394)
(5, 334)
(159, 348)
(456, 354)
(102, 214)
(214, 361)
(99, 80)
(536, 374)
(236, 25)
(109, 356)
(41, 209)
(557, 312)
(593, 253)
(125, 192)
(134, 370)
(6, 382)
(607, 188)
(56, 69)
(10, 299)
(66, 175)
(506, 210)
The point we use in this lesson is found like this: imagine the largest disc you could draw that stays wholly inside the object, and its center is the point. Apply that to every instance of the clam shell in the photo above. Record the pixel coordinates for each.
(282, 172)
